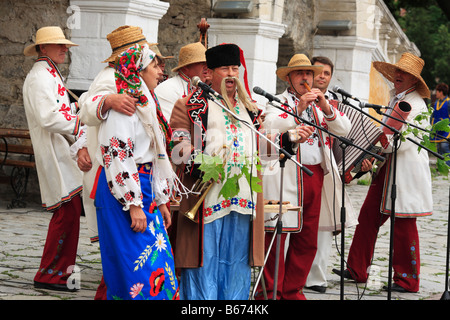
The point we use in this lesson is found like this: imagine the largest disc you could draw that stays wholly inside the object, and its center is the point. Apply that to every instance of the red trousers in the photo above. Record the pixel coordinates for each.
(101, 291)
(406, 257)
(294, 269)
(61, 244)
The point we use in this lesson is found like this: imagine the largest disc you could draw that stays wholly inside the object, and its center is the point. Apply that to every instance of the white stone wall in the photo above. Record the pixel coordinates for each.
(97, 19)
(259, 41)
(374, 36)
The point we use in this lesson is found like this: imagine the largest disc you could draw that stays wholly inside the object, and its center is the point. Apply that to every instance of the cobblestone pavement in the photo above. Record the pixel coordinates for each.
(23, 232)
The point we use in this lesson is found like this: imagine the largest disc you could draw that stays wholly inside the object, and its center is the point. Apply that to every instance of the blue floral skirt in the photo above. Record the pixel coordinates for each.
(136, 266)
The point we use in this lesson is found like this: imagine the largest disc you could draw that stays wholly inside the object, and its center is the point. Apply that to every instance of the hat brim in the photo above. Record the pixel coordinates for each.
(117, 52)
(284, 71)
(31, 49)
(388, 70)
(187, 64)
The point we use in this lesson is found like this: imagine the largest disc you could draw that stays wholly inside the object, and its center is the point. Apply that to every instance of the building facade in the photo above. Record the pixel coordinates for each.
(353, 33)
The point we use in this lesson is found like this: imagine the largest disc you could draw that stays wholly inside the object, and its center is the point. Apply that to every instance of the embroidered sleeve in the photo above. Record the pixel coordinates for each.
(117, 144)
(91, 102)
(51, 106)
(81, 142)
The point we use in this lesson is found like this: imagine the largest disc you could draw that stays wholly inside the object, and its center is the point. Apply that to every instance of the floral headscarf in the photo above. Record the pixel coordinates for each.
(128, 66)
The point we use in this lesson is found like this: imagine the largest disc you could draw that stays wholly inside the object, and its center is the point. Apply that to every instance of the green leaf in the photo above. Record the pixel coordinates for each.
(231, 187)
(442, 166)
(442, 125)
(211, 166)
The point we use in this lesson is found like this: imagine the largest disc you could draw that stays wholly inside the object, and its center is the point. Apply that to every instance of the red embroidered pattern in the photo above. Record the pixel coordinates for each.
(65, 110)
(117, 149)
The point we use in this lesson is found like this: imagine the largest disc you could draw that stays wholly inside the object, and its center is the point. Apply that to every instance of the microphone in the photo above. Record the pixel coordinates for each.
(196, 82)
(265, 94)
(374, 106)
(400, 111)
(344, 93)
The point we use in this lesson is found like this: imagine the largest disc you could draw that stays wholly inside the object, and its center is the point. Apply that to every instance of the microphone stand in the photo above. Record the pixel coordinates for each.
(396, 137)
(343, 145)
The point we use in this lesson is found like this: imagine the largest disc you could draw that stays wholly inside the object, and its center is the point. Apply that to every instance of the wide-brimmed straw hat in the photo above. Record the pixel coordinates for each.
(123, 38)
(189, 54)
(298, 62)
(47, 35)
(408, 63)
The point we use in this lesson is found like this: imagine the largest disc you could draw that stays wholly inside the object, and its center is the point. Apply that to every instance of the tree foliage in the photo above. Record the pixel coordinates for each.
(427, 26)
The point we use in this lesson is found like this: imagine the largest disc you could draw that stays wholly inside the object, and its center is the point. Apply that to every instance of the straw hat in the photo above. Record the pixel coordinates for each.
(122, 38)
(408, 63)
(189, 54)
(47, 35)
(154, 48)
(298, 62)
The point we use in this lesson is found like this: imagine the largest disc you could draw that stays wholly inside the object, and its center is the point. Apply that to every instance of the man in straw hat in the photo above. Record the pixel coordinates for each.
(191, 63)
(298, 188)
(413, 185)
(94, 105)
(216, 253)
(54, 125)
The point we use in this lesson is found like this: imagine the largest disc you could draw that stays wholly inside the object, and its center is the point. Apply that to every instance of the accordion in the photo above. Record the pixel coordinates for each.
(364, 134)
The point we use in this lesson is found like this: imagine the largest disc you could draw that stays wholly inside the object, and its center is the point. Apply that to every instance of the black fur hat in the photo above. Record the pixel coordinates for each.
(223, 55)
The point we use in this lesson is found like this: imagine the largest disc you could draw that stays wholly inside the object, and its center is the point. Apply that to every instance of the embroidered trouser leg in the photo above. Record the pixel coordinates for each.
(405, 260)
(61, 244)
(294, 269)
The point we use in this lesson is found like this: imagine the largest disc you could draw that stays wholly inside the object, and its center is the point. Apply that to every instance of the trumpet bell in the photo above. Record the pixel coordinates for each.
(192, 213)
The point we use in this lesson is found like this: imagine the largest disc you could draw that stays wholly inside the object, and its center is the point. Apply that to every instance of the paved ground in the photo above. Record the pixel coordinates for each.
(23, 232)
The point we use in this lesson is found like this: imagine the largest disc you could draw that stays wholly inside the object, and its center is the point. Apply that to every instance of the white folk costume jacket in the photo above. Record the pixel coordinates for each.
(169, 91)
(413, 179)
(340, 125)
(53, 126)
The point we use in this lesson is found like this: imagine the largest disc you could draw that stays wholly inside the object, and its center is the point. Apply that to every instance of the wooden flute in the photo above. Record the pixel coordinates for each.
(306, 85)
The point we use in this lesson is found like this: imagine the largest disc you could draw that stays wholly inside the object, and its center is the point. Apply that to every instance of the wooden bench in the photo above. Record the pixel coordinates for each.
(16, 151)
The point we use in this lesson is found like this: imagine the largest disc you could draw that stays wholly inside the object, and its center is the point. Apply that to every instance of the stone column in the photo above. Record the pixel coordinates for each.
(352, 58)
(259, 41)
(91, 21)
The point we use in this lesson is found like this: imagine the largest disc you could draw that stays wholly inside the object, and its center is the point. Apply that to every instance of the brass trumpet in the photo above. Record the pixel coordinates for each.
(202, 188)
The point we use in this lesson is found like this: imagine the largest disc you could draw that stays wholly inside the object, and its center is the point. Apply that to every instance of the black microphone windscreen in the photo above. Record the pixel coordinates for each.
(258, 90)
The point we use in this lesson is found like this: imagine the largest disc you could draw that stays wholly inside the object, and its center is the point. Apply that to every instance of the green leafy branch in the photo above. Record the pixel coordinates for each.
(426, 142)
(213, 168)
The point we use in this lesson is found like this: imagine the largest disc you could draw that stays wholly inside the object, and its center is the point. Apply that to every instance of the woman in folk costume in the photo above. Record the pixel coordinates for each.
(53, 126)
(299, 188)
(216, 254)
(413, 186)
(133, 188)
